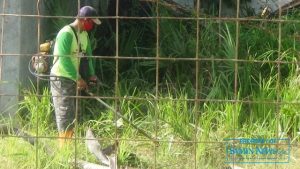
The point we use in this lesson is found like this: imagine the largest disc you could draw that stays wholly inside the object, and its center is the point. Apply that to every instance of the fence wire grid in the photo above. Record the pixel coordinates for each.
(180, 87)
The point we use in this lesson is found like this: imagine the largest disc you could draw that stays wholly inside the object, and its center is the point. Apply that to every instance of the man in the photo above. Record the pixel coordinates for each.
(72, 52)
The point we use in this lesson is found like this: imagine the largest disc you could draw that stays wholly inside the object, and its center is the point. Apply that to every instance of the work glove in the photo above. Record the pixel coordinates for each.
(93, 81)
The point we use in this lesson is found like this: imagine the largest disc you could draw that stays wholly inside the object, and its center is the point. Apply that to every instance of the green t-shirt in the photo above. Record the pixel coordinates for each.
(67, 56)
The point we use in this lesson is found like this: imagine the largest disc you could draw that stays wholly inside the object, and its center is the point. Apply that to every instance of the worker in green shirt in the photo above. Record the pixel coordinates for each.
(73, 67)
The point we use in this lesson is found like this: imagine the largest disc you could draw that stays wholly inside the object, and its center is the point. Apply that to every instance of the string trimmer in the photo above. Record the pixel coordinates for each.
(119, 115)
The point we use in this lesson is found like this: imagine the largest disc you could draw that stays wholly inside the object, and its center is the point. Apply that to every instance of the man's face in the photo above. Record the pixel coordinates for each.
(88, 24)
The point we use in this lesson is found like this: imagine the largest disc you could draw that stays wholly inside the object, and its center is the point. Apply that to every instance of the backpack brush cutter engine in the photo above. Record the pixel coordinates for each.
(39, 64)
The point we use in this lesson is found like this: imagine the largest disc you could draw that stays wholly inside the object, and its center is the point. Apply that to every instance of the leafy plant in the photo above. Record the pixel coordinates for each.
(63, 9)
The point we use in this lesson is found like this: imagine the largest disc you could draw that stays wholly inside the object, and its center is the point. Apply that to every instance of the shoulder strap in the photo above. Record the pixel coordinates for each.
(75, 33)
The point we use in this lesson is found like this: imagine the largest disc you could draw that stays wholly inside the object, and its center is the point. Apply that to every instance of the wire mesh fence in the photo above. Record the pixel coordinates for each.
(178, 87)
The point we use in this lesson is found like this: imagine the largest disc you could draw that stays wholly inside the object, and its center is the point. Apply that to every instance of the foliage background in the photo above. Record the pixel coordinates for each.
(247, 86)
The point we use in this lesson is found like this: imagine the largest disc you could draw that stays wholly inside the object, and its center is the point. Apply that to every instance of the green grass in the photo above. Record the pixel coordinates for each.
(172, 119)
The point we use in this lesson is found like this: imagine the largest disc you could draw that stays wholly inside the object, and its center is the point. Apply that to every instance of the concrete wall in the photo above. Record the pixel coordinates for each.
(18, 43)
(186, 3)
(257, 6)
(272, 4)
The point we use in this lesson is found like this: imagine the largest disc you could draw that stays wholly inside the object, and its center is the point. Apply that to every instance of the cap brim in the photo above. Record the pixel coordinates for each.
(96, 21)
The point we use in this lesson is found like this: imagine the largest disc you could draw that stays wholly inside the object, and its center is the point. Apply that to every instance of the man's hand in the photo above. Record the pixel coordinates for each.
(81, 84)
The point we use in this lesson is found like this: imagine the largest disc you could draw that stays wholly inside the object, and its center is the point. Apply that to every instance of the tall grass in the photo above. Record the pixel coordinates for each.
(37, 109)
(289, 112)
(176, 124)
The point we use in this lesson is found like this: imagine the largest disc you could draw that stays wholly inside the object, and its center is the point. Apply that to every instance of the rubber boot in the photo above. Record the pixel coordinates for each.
(65, 138)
